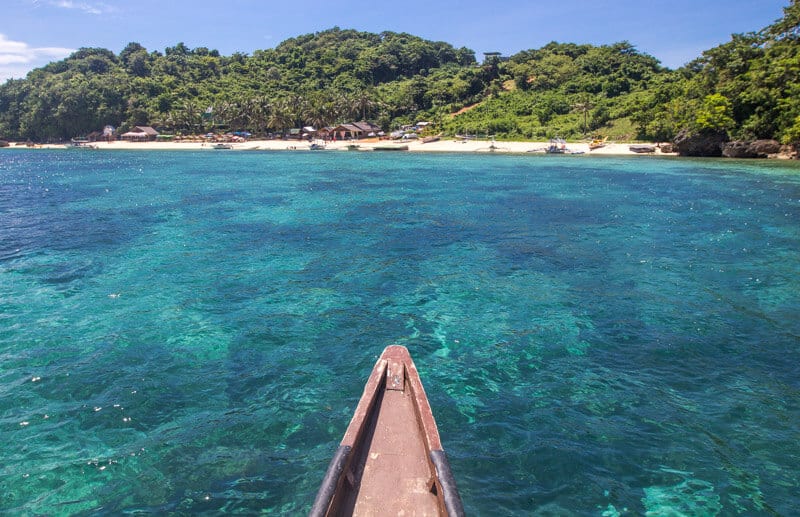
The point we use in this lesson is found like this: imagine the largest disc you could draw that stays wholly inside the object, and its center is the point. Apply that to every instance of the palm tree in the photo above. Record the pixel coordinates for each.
(165, 120)
(243, 114)
(362, 103)
(261, 109)
(224, 113)
(280, 116)
(189, 115)
(341, 107)
(315, 115)
(238, 113)
(584, 105)
(296, 106)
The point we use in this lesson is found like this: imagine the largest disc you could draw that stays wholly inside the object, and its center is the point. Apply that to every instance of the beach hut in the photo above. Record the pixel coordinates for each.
(356, 130)
(325, 132)
(345, 132)
(140, 134)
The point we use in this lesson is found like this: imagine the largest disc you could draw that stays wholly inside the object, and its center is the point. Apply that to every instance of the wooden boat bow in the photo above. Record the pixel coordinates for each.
(390, 461)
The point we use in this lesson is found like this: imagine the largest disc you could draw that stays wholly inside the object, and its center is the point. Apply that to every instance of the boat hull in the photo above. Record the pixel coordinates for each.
(390, 148)
(390, 461)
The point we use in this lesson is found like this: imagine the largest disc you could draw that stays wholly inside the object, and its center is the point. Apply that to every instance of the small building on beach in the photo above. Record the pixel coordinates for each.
(109, 132)
(140, 134)
(356, 130)
(325, 132)
(94, 136)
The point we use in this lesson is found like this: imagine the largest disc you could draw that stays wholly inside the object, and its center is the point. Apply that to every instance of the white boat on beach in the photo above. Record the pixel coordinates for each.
(80, 143)
(556, 146)
(642, 148)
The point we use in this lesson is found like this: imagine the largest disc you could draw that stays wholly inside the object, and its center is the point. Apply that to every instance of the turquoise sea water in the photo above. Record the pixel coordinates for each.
(189, 333)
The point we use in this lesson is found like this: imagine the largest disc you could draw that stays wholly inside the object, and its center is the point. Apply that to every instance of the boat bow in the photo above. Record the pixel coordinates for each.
(391, 458)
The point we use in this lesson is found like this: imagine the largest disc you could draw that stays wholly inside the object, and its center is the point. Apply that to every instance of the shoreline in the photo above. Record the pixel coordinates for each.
(440, 146)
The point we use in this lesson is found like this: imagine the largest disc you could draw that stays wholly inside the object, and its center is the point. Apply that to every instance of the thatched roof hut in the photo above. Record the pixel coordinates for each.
(140, 134)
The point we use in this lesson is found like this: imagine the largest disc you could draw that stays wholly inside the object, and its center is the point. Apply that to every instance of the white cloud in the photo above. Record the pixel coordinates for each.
(87, 7)
(18, 58)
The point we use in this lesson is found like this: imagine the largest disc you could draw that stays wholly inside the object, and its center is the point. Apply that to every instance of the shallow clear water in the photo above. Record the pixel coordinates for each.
(190, 332)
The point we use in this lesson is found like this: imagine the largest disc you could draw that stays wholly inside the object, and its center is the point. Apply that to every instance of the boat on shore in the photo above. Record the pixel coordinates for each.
(556, 146)
(390, 147)
(642, 148)
(390, 461)
(222, 146)
(597, 143)
(80, 143)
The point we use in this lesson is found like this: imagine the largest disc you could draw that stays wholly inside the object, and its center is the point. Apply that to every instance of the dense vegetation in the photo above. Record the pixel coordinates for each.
(749, 87)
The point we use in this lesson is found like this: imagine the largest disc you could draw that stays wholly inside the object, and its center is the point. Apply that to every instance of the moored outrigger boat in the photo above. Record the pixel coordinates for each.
(556, 146)
(642, 148)
(390, 461)
(80, 143)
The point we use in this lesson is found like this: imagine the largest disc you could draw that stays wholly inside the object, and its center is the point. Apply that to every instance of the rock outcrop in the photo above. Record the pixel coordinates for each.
(764, 148)
(751, 149)
(737, 149)
(706, 143)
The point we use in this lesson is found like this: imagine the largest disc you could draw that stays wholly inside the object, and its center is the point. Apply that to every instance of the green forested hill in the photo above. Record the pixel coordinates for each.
(749, 87)
(564, 89)
(314, 79)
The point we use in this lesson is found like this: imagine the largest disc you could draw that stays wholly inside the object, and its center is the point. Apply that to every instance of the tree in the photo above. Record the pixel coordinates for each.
(362, 103)
(787, 27)
(178, 50)
(584, 105)
(792, 134)
(715, 114)
(280, 116)
(188, 116)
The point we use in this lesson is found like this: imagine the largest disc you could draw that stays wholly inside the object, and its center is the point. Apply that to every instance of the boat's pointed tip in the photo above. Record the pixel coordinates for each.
(396, 351)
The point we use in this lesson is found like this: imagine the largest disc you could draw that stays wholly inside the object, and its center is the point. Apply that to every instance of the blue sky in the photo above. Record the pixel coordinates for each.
(35, 32)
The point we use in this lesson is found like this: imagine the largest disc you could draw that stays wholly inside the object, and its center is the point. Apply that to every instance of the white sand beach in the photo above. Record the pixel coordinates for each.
(443, 146)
